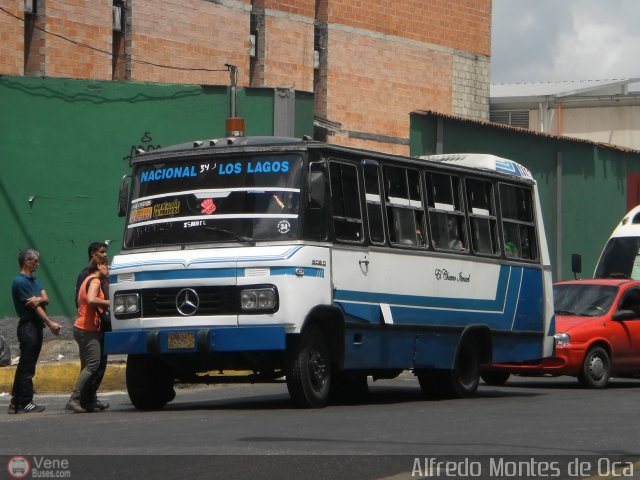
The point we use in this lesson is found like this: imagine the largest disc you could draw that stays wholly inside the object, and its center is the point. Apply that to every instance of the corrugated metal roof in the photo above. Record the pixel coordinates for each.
(560, 88)
(524, 130)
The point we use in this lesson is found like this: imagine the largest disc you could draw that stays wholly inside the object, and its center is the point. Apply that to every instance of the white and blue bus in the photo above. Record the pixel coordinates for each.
(266, 258)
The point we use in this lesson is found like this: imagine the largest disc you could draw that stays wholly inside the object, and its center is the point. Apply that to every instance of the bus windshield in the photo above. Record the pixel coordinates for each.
(620, 259)
(235, 199)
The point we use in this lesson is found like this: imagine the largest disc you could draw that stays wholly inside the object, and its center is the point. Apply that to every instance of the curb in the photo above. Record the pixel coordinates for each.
(60, 377)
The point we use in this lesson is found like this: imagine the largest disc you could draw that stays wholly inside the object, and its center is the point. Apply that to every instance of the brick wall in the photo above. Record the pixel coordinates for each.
(11, 38)
(286, 52)
(379, 59)
(390, 58)
(458, 24)
(88, 22)
(189, 34)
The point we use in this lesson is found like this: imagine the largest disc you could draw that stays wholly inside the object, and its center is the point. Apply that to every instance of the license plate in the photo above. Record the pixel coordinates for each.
(178, 340)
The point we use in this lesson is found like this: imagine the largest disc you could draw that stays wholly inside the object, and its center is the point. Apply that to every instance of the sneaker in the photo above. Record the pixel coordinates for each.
(74, 406)
(13, 408)
(32, 408)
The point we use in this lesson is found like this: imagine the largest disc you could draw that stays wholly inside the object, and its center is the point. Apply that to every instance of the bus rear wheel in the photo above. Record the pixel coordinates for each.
(462, 381)
(308, 370)
(149, 382)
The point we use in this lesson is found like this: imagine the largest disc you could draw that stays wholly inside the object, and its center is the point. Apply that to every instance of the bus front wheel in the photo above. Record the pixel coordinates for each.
(149, 382)
(308, 370)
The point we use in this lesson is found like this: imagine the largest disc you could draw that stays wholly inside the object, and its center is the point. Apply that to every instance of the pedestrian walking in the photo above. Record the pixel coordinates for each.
(97, 252)
(30, 301)
(88, 335)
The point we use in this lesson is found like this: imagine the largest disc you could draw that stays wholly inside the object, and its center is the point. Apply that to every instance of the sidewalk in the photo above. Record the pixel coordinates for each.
(61, 376)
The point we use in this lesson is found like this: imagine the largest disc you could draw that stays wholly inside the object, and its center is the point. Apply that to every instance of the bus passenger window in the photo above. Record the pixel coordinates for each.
(482, 216)
(446, 217)
(373, 201)
(518, 222)
(405, 213)
(345, 201)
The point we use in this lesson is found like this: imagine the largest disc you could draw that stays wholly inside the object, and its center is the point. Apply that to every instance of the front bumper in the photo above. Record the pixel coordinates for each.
(566, 361)
(195, 340)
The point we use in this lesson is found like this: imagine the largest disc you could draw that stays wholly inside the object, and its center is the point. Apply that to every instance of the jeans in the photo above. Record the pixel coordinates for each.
(96, 380)
(89, 343)
(30, 337)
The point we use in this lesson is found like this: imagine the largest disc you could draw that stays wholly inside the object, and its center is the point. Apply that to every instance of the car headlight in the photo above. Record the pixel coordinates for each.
(562, 339)
(126, 304)
(258, 299)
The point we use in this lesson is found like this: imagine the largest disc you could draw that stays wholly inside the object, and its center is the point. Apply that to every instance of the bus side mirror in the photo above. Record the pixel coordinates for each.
(316, 187)
(576, 264)
(123, 195)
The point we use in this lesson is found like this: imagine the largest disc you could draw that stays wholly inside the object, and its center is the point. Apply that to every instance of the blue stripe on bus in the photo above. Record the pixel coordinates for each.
(517, 305)
(496, 304)
(186, 274)
(155, 275)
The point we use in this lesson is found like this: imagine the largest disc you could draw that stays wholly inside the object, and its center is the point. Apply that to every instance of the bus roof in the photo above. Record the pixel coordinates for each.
(483, 161)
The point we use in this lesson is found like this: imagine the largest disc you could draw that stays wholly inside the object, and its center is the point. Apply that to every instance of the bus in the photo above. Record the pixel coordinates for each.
(620, 257)
(265, 259)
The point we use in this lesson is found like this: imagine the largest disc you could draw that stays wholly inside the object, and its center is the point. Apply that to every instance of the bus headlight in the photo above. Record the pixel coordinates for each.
(562, 339)
(126, 304)
(258, 299)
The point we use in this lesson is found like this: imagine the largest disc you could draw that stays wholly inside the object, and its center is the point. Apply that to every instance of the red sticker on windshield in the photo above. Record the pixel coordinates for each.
(208, 207)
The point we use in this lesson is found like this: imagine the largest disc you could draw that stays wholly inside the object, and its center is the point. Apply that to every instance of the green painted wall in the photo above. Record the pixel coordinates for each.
(593, 179)
(65, 144)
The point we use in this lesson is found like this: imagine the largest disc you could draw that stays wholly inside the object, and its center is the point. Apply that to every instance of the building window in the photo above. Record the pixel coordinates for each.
(513, 118)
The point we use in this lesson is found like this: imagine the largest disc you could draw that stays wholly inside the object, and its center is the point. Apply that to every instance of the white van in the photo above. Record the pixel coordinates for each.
(620, 257)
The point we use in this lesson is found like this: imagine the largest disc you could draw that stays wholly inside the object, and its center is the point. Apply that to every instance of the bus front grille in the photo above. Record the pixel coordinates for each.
(163, 302)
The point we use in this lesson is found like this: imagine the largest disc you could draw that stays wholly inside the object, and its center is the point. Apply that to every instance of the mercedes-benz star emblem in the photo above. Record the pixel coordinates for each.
(187, 302)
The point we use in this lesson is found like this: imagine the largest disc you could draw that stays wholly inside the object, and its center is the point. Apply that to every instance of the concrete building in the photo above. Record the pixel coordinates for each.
(603, 111)
(369, 63)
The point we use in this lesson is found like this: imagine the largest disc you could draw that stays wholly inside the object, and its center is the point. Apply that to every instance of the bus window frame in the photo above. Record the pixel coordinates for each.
(491, 217)
(368, 163)
(341, 161)
(531, 225)
(420, 234)
(460, 214)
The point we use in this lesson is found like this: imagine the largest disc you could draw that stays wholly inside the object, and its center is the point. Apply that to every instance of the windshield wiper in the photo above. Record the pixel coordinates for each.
(235, 235)
(565, 312)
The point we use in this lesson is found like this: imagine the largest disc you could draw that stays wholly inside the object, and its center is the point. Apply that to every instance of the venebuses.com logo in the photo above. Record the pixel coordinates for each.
(18, 467)
(38, 467)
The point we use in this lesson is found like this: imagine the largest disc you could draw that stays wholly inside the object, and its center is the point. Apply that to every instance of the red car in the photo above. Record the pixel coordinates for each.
(597, 334)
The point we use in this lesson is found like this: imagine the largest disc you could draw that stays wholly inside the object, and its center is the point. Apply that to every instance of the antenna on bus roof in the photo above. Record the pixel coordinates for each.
(234, 125)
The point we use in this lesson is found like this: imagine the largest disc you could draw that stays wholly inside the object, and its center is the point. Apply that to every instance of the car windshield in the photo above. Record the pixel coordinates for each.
(583, 299)
(215, 200)
(620, 259)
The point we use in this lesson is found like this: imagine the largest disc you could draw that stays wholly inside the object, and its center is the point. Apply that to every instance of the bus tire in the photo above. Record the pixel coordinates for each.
(596, 368)
(149, 382)
(349, 387)
(495, 379)
(429, 382)
(462, 381)
(308, 370)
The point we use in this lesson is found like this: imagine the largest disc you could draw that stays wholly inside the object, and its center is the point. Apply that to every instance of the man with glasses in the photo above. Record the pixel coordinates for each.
(29, 299)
